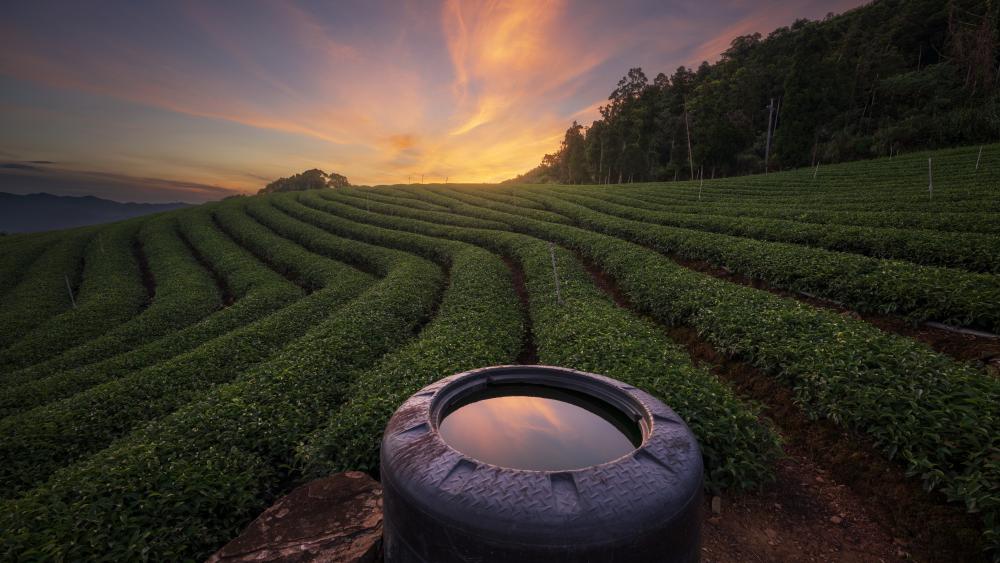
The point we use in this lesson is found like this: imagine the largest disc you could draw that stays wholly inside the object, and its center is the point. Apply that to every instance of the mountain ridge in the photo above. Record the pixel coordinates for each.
(43, 211)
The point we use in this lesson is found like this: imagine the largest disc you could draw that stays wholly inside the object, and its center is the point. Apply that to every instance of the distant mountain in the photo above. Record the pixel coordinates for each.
(46, 212)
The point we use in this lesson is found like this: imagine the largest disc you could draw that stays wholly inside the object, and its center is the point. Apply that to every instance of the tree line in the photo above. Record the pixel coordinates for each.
(888, 77)
(313, 179)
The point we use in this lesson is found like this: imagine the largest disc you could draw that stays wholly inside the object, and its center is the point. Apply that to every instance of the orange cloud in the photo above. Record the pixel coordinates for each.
(477, 91)
(402, 142)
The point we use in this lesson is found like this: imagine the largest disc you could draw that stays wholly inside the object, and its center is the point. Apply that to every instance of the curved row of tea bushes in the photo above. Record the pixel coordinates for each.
(979, 206)
(986, 223)
(398, 192)
(39, 441)
(185, 293)
(440, 216)
(258, 291)
(968, 251)
(111, 292)
(182, 486)
(288, 258)
(586, 331)
(947, 221)
(921, 293)
(516, 205)
(898, 184)
(381, 195)
(478, 324)
(963, 203)
(508, 197)
(17, 254)
(937, 417)
(42, 292)
(882, 179)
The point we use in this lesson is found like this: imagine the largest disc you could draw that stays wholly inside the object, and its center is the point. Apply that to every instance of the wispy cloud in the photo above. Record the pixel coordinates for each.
(18, 178)
(472, 90)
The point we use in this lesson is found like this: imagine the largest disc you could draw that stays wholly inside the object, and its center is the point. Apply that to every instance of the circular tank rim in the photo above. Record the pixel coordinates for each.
(600, 504)
(542, 376)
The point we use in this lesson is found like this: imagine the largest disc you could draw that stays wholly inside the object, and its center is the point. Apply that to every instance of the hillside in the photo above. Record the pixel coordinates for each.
(46, 212)
(888, 77)
(210, 358)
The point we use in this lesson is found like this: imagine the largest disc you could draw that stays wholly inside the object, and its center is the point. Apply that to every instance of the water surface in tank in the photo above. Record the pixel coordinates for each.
(538, 428)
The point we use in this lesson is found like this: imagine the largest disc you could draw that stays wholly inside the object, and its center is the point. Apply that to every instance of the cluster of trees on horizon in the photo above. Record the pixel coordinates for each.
(892, 76)
(313, 179)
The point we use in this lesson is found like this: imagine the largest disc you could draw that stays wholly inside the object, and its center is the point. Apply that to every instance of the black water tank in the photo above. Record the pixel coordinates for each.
(442, 506)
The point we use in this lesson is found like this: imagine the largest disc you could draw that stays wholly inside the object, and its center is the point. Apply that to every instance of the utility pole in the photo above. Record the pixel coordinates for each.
(555, 272)
(621, 169)
(69, 288)
(767, 146)
(930, 180)
(687, 127)
(702, 182)
(600, 163)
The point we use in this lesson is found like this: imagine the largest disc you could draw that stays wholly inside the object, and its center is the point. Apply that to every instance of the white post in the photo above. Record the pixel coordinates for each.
(69, 288)
(816, 171)
(767, 147)
(555, 272)
(930, 180)
(687, 127)
(702, 182)
(980, 157)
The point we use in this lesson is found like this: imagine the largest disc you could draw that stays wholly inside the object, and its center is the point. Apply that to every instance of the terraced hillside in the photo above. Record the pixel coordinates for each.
(166, 377)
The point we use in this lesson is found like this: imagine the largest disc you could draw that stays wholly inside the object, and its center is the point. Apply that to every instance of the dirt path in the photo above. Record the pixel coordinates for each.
(804, 515)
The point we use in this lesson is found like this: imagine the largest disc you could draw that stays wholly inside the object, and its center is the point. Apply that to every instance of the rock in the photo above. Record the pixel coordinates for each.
(836, 519)
(716, 505)
(334, 519)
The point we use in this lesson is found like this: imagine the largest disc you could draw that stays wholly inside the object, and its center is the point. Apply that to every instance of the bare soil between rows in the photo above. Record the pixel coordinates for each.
(834, 498)
(981, 351)
(529, 352)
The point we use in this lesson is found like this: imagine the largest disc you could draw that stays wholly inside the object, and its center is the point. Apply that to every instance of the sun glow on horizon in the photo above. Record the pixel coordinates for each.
(471, 91)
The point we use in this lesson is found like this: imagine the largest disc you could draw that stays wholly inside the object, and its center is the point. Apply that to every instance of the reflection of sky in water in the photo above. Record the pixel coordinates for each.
(538, 433)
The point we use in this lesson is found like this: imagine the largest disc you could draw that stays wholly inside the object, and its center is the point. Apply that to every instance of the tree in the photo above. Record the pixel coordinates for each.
(891, 75)
(574, 156)
(810, 102)
(313, 179)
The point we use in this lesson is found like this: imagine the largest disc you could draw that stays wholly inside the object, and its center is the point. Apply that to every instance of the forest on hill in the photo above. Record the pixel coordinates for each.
(890, 77)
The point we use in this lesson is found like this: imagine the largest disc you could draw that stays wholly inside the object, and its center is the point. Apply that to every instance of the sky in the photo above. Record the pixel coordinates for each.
(192, 101)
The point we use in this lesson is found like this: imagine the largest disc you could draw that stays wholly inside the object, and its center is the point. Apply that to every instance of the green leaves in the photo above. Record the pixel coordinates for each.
(162, 438)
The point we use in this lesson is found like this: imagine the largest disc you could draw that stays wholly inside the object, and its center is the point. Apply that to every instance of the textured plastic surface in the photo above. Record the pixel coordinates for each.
(442, 506)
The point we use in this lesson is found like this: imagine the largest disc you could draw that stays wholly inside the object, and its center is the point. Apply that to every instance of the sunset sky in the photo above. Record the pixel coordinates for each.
(189, 101)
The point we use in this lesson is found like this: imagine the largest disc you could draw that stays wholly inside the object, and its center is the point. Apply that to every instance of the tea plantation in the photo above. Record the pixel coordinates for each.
(165, 378)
